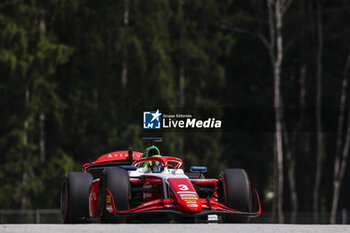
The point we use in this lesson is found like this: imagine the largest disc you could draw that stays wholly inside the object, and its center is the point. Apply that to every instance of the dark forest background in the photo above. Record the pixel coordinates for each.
(76, 75)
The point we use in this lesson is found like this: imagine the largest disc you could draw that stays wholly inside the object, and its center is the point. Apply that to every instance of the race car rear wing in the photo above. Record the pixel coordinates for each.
(112, 159)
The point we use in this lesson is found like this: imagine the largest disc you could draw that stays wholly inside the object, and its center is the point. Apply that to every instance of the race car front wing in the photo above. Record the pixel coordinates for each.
(161, 206)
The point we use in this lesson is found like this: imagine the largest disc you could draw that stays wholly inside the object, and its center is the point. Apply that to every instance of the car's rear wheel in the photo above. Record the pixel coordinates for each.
(75, 197)
(116, 180)
(235, 192)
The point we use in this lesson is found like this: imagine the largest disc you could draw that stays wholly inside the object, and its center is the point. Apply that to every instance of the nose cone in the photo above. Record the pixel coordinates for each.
(185, 195)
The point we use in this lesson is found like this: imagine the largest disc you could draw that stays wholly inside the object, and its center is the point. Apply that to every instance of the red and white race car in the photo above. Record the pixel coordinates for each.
(130, 186)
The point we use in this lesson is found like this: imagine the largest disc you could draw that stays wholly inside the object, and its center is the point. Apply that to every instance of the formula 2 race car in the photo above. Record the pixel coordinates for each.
(130, 186)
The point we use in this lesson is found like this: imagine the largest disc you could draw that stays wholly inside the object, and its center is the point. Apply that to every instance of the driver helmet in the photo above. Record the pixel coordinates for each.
(151, 151)
(155, 167)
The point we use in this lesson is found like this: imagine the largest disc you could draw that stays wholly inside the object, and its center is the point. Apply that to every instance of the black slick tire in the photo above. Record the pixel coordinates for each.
(235, 192)
(75, 197)
(117, 181)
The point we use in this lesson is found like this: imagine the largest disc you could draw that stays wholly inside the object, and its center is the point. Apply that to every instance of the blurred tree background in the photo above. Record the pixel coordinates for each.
(76, 75)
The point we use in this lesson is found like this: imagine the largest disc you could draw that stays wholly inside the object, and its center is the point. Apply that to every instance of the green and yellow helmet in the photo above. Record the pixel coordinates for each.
(150, 152)
(155, 167)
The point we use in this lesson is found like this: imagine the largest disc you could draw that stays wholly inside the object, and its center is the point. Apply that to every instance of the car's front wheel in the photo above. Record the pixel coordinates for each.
(116, 180)
(235, 192)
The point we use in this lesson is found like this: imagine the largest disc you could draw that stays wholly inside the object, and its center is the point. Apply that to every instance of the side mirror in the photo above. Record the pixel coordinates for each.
(129, 168)
(198, 169)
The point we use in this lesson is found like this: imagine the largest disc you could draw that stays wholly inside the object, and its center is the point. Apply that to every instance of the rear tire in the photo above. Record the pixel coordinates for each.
(235, 192)
(117, 181)
(75, 197)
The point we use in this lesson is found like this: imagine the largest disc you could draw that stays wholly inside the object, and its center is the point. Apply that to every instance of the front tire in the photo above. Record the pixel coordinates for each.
(235, 192)
(75, 197)
(117, 181)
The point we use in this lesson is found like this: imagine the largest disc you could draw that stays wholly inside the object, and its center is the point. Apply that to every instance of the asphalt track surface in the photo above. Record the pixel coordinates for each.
(170, 228)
